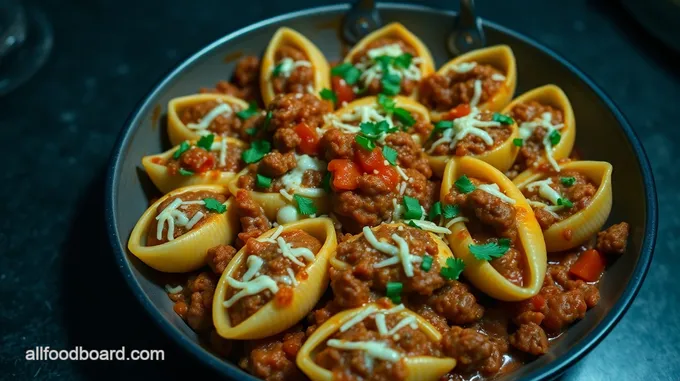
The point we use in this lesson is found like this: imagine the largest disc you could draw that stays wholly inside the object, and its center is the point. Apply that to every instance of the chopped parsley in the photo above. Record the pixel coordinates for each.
(373, 130)
(518, 142)
(347, 71)
(326, 182)
(404, 116)
(403, 60)
(263, 181)
(329, 95)
(277, 70)
(214, 206)
(206, 142)
(256, 152)
(464, 184)
(390, 154)
(183, 147)
(454, 267)
(435, 211)
(488, 251)
(562, 201)
(365, 142)
(426, 264)
(247, 113)
(450, 211)
(440, 126)
(267, 119)
(391, 83)
(251, 131)
(502, 119)
(185, 172)
(305, 206)
(568, 181)
(393, 291)
(555, 137)
(413, 209)
(388, 104)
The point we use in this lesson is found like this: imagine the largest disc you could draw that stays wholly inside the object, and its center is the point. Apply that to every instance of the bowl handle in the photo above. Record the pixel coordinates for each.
(362, 19)
(467, 31)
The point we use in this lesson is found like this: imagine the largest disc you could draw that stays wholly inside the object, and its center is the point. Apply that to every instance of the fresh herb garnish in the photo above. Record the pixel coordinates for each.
(214, 205)
(263, 181)
(256, 152)
(388, 104)
(393, 291)
(305, 206)
(502, 119)
(555, 137)
(326, 182)
(464, 184)
(450, 211)
(329, 95)
(403, 61)
(347, 71)
(435, 211)
(404, 116)
(206, 142)
(390, 154)
(440, 126)
(568, 181)
(518, 142)
(413, 209)
(247, 113)
(185, 172)
(426, 264)
(277, 70)
(373, 130)
(454, 267)
(562, 201)
(267, 119)
(183, 147)
(391, 83)
(365, 142)
(251, 131)
(490, 250)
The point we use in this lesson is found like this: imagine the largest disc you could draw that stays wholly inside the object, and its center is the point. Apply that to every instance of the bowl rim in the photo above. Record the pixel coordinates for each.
(555, 368)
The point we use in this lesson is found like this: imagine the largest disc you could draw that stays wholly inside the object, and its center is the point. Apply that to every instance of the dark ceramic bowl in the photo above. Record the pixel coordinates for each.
(603, 134)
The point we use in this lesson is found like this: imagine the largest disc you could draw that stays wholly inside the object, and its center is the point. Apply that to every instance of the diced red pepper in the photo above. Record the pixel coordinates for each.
(346, 174)
(589, 265)
(342, 90)
(370, 160)
(389, 175)
(538, 301)
(458, 112)
(309, 140)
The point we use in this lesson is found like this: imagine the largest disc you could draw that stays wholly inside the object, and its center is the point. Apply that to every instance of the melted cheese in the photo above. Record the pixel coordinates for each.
(498, 77)
(221, 147)
(287, 214)
(407, 321)
(494, 190)
(467, 125)
(221, 109)
(526, 129)
(455, 220)
(249, 286)
(360, 114)
(172, 216)
(194, 220)
(374, 350)
(292, 181)
(173, 290)
(358, 318)
(293, 253)
(272, 238)
(287, 65)
(291, 274)
(545, 190)
(371, 69)
(464, 67)
(477, 94)
(431, 227)
(401, 173)
(397, 255)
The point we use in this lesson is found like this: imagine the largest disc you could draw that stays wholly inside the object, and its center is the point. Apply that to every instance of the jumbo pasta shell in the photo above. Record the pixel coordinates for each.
(158, 172)
(398, 31)
(177, 130)
(443, 251)
(501, 157)
(586, 222)
(552, 95)
(188, 251)
(271, 203)
(498, 56)
(480, 273)
(420, 368)
(287, 36)
(271, 319)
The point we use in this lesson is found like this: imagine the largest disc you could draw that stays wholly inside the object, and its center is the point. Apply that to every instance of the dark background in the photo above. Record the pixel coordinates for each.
(59, 285)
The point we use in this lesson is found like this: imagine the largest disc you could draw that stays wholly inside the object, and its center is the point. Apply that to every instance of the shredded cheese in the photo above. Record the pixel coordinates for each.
(371, 69)
(292, 181)
(495, 190)
(293, 253)
(455, 220)
(469, 124)
(172, 216)
(206, 121)
(397, 255)
(431, 226)
(375, 350)
(173, 290)
(358, 318)
(402, 173)
(498, 77)
(249, 286)
(545, 190)
(287, 65)
(526, 129)
(464, 67)
(477, 94)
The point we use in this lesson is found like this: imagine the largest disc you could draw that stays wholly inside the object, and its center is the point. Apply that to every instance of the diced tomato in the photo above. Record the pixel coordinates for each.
(370, 160)
(309, 140)
(458, 112)
(345, 174)
(389, 175)
(342, 90)
(589, 266)
(538, 301)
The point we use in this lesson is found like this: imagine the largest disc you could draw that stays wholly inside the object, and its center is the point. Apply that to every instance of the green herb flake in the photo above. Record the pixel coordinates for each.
(426, 264)
(305, 206)
(404, 116)
(267, 119)
(391, 83)
(348, 72)
(464, 184)
(251, 131)
(247, 113)
(365, 142)
(277, 70)
(403, 61)
(329, 95)
(562, 201)
(185, 172)
(488, 251)
(435, 211)
(183, 147)
(568, 181)
(454, 267)
(450, 211)
(390, 154)
(384, 62)
(393, 291)
(214, 206)
(326, 182)
(413, 209)
(206, 142)
(502, 119)
(555, 137)
(256, 152)
(518, 142)
(388, 104)
(440, 126)
(263, 182)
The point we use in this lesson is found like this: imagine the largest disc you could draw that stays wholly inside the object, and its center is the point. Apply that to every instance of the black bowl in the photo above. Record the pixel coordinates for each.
(603, 134)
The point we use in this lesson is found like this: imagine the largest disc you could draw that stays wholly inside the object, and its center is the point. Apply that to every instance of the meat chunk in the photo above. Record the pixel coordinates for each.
(273, 359)
(199, 313)
(530, 338)
(219, 257)
(349, 291)
(337, 145)
(292, 109)
(253, 220)
(614, 239)
(286, 139)
(493, 211)
(563, 309)
(456, 303)
(510, 266)
(275, 164)
(472, 350)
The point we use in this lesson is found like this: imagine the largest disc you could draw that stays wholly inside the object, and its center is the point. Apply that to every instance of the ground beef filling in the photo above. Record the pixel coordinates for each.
(245, 83)
(532, 150)
(444, 92)
(273, 358)
(301, 78)
(276, 266)
(580, 193)
(351, 286)
(374, 87)
(188, 210)
(224, 124)
(351, 365)
(614, 239)
(199, 160)
(471, 144)
(286, 112)
(274, 165)
(251, 215)
(194, 302)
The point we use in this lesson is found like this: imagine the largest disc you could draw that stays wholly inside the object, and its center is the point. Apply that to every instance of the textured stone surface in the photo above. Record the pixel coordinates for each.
(58, 282)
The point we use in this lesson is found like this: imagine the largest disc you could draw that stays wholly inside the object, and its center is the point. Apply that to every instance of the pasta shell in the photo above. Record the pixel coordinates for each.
(177, 130)
(420, 368)
(271, 203)
(442, 253)
(188, 251)
(287, 36)
(166, 182)
(270, 319)
(480, 273)
(501, 157)
(407, 103)
(498, 56)
(398, 31)
(552, 95)
(586, 222)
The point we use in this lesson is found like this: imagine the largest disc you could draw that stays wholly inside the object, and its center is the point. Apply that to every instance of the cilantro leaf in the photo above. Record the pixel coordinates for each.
(267, 119)
(450, 211)
(384, 62)
(251, 131)
(347, 71)
(502, 119)
(404, 116)
(329, 95)
(518, 142)
(413, 209)
(256, 152)
(440, 126)
(263, 181)
(206, 142)
(555, 137)
(386, 102)
(365, 142)
(391, 83)
(454, 267)
(277, 70)
(247, 113)
(214, 206)
(435, 211)
(305, 206)
(370, 129)
(390, 154)
(426, 264)
(568, 181)
(562, 201)
(183, 147)
(326, 182)
(490, 250)
(185, 172)
(403, 61)
(464, 184)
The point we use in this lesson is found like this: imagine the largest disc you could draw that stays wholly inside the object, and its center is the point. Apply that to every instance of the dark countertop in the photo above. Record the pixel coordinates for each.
(59, 284)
